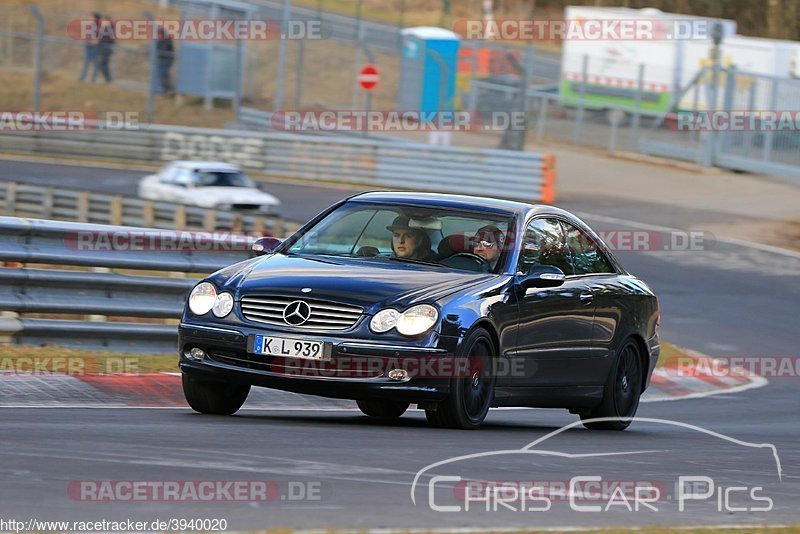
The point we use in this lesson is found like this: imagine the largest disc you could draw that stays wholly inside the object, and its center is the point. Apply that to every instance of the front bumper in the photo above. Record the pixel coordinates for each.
(357, 368)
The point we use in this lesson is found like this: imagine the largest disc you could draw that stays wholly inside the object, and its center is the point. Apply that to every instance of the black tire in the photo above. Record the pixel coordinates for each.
(471, 396)
(621, 393)
(382, 408)
(217, 398)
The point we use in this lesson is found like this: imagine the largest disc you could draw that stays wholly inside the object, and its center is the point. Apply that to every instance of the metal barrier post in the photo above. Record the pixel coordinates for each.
(282, 57)
(153, 58)
(766, 153)
(710, 137)
(37, 82)
(473, 90)
(751, 104)
(544, 103)
(357, 62)
(730, 87)
(298, 77)
(581, 101)
(637, 116)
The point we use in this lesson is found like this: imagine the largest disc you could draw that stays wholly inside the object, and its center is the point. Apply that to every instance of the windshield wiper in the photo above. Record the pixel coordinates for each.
(408, 260)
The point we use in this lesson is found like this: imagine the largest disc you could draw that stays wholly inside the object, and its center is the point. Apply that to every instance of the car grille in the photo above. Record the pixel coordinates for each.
(246, 206)
(324, 314)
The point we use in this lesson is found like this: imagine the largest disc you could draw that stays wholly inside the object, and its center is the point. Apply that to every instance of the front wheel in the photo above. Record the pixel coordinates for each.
(383, 409)
(217, 398)
(621, 392)
(471, 393)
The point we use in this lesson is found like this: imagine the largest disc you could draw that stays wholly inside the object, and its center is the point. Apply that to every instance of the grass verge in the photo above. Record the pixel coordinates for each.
(53, 359)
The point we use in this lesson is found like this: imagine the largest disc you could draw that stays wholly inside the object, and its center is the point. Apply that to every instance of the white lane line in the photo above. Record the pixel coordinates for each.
(729, 240)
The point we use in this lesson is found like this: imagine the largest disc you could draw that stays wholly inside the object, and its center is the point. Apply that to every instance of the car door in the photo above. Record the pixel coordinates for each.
(554, 336)
(608, 290)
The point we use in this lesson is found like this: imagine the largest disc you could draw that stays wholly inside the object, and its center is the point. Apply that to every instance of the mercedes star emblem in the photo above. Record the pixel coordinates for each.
(296, 313)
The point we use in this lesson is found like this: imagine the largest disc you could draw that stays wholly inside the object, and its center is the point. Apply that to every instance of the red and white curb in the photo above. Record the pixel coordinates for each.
(677, 382)
(163, 390)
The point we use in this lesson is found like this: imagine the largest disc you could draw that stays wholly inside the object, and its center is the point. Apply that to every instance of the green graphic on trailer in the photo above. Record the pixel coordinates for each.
(601, 96)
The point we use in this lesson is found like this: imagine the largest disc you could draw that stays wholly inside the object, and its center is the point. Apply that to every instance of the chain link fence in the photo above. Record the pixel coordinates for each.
(64, 56)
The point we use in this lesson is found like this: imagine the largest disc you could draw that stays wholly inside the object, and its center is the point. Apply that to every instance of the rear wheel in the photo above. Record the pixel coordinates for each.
(471, 395)
(217, 398)
(381, 408)
(621, 392)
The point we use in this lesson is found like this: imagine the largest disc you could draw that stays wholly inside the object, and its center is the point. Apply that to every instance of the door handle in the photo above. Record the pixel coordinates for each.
(586, 297)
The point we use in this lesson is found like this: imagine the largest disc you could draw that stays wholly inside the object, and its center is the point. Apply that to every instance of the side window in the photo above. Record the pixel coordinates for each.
(183, 177)
(586, 256)
(544, 244)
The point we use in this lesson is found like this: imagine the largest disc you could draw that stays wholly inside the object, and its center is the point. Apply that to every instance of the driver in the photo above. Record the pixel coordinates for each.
(408, 242)
(486, 244)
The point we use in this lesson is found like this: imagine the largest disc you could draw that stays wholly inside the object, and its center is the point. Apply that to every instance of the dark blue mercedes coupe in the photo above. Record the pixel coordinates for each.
(455, 304)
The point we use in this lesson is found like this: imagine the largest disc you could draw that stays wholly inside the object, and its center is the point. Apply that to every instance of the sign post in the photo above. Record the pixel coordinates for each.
(368, 79)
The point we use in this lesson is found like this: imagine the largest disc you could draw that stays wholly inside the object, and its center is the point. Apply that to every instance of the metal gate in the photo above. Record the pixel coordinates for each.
(732, 119)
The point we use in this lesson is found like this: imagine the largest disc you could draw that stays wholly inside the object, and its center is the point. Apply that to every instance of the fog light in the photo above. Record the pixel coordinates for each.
(398, 374)
(196, 353)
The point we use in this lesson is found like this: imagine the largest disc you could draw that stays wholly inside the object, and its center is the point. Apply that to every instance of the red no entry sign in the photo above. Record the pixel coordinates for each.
(368, 78)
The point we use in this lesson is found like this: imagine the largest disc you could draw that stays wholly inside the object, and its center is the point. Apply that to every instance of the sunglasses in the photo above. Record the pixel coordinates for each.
(484, 244)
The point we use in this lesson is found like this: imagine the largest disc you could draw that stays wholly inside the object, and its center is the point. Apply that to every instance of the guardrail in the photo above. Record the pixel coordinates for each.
(370, 162)
(26, 290)
(23, 200)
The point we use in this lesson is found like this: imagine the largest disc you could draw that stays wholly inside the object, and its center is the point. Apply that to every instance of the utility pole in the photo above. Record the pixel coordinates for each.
(287, 6)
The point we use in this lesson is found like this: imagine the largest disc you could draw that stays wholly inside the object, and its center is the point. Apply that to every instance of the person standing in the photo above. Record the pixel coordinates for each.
(105, 48)
(90, 50)
(165, 56)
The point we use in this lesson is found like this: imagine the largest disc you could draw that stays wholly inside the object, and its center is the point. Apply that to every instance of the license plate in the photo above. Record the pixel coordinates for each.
(291, 347)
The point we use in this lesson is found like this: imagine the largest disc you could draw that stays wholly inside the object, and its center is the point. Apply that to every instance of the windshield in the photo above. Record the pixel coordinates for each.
(222, 179)
(455, 239)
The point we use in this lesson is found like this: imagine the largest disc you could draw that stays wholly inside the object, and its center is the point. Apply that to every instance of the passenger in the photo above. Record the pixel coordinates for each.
(486, 243)
(408, 242)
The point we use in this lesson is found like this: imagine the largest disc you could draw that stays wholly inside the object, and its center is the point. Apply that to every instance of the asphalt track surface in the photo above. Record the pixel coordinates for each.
(727, 300)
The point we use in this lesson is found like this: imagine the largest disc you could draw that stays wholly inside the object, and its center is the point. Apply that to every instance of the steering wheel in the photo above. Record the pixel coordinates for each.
(478, 261)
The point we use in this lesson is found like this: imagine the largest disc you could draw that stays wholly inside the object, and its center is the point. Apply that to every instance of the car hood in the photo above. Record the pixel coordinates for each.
(366, 282)
(234, 195)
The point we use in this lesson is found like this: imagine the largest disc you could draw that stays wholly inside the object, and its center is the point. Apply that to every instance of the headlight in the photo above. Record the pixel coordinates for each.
(202, 298)
(223, 305)
(417, 320)
(384, 320)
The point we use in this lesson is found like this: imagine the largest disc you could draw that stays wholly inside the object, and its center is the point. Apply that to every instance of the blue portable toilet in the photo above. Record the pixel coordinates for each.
(428, 69)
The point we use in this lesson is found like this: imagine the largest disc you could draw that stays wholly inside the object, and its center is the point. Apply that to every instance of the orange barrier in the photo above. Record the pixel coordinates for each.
(548, 195)
(465, 62)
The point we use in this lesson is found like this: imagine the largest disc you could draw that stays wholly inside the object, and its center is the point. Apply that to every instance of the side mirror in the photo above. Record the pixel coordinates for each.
(542, 276)
(265, 245)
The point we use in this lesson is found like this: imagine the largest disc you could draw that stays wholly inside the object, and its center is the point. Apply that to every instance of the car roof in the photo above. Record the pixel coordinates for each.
(446, 201)
(207, 165)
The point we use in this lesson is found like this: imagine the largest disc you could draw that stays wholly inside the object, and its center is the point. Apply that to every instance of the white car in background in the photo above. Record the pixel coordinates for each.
(207, 184)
